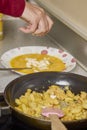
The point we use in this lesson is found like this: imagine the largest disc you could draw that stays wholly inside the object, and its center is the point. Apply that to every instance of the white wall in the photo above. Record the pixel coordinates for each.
(72, 12)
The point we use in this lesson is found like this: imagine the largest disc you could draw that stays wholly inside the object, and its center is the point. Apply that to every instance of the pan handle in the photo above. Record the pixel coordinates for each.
(4, 108)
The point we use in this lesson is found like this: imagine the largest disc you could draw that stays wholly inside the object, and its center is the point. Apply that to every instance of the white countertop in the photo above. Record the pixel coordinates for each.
(71, 12)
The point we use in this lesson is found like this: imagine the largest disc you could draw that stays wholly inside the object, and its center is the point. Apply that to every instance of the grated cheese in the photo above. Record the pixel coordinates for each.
(41, 65)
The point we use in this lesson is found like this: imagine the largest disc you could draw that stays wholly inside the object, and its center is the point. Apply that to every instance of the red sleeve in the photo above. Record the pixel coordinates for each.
(13, 8)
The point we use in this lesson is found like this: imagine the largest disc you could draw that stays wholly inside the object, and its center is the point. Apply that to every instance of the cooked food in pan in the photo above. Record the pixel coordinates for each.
(37, 63)
(74, 106)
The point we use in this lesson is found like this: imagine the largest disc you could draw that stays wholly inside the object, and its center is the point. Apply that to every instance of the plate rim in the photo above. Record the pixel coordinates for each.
(41, 47)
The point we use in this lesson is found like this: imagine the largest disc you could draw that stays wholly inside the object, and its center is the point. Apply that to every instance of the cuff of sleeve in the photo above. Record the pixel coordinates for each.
(13, 8)
(17, 9)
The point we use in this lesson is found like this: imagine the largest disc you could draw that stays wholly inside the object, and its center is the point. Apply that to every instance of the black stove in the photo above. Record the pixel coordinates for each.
(9, 122)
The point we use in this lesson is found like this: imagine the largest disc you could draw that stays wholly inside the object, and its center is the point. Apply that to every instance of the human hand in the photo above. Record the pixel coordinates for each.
(38, 22)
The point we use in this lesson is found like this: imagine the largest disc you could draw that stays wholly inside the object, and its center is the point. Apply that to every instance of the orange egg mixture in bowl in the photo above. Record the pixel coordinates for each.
(37, 63)
(32, 59)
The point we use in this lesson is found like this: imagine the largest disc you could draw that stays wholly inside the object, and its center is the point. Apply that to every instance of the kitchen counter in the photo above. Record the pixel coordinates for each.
(14, 38)
(70, 12)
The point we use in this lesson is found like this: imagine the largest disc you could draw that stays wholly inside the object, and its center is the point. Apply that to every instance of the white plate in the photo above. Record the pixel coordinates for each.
(68, 59)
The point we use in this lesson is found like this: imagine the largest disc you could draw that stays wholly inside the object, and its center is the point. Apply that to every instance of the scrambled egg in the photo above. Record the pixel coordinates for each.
(73, 106)
(37, 63)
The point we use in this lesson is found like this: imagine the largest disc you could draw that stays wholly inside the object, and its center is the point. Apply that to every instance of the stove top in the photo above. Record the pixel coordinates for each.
(9, 122)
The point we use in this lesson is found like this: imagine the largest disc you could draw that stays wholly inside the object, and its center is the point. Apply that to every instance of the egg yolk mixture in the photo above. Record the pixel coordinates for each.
(37, 63)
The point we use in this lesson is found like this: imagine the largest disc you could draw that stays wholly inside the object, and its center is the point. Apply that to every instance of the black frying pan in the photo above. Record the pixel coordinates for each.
(39, 82)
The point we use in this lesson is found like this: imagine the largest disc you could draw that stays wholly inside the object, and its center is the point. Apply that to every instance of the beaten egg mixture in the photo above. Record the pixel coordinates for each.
(37, 63)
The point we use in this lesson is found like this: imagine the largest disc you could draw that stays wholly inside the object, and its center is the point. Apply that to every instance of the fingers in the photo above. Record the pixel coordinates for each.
(39, 23)
(39, 28)
(29, 28)
(50, 22)
(44, 26)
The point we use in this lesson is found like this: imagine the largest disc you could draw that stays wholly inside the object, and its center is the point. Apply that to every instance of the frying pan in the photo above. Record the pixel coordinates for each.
(39, 82)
